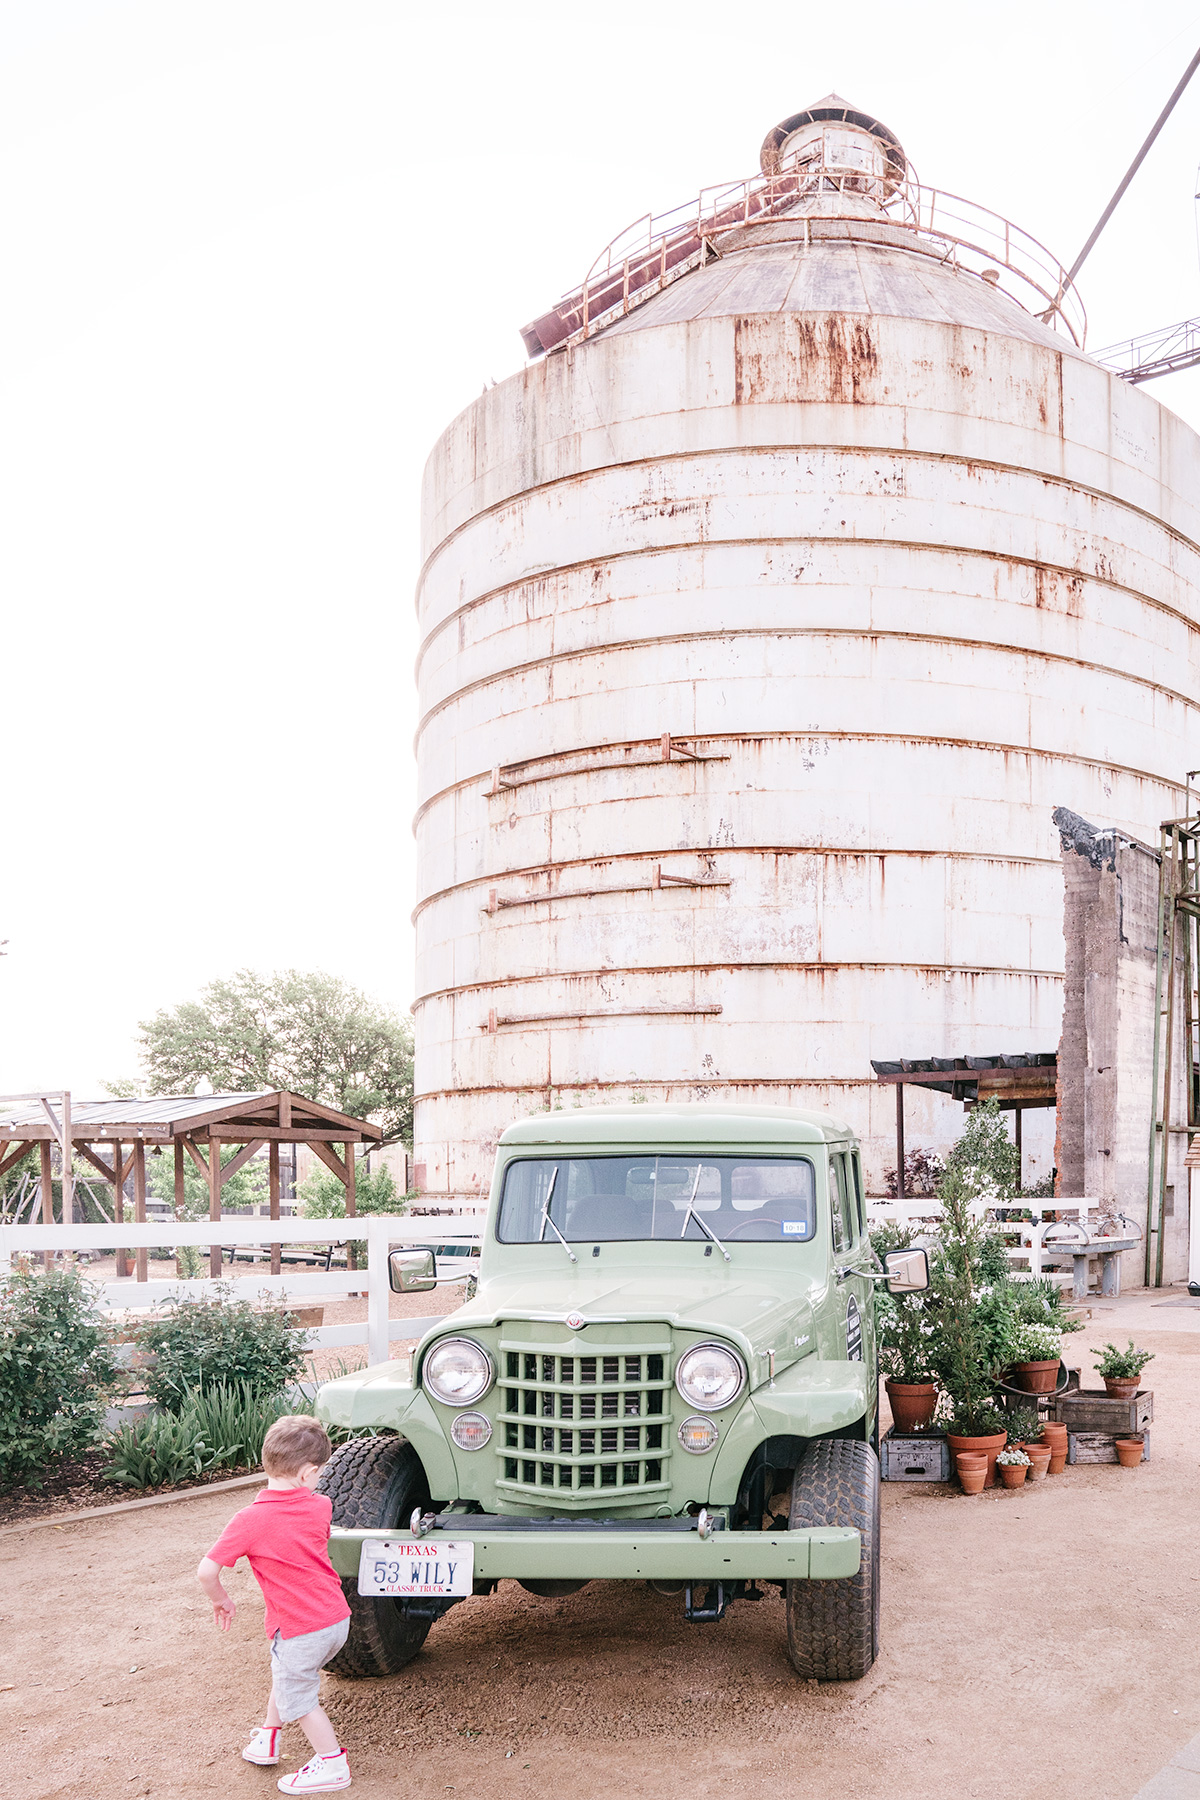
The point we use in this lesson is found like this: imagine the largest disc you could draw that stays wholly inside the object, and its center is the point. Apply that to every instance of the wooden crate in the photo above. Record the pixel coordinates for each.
(1100, 1446)
(924, 1456)
(1091, 1409)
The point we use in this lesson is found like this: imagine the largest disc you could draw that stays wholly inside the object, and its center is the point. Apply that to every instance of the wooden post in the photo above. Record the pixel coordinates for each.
(1017, 1136)
(273, 1169)
(180, 1199)
(68, 1174)
(351, 1205)
(47, 1196)
(122, 1269)
(214, 1204)
(139, 1202)
(900, 1188)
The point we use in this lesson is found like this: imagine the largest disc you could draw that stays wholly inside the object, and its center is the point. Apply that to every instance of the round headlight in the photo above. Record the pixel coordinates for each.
(470, 1431)
(710, 1376)
(697, 1435)
(458, 1372)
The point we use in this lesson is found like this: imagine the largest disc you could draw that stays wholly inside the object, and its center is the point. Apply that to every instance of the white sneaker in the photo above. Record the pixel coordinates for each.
(319, 1775)
(263, 1746)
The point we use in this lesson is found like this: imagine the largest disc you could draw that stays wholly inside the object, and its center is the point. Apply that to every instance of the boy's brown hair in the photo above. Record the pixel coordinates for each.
(293, 1441)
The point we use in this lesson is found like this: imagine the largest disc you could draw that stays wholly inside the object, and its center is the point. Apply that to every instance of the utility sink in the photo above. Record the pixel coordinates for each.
(1108, 1248)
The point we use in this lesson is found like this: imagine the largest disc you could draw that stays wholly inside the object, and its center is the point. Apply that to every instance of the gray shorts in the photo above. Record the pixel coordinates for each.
(296, 1665)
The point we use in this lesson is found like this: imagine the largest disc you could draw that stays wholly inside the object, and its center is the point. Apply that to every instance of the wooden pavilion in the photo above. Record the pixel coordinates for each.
(197, 1126)
(1016, 1082)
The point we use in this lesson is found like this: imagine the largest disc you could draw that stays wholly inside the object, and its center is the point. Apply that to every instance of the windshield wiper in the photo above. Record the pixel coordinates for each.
(547, 1220)
(689, 1214)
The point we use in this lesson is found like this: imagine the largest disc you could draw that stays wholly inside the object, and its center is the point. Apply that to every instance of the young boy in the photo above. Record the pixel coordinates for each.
(284, 1536)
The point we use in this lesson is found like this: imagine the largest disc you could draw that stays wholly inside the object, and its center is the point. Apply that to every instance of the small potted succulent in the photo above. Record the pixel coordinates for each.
(1013, 1466)
(1121, 1370)
(1038, 1350)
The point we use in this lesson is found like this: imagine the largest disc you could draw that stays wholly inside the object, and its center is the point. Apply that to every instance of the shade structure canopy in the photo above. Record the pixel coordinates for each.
(196, 1126)
(1016, 1082)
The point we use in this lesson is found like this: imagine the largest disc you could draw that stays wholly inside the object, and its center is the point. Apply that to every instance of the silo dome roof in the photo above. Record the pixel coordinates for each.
(847, 275)
(835, 223)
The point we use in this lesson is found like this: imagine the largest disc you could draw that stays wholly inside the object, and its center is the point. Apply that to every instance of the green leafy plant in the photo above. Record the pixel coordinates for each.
(1037, 1343)
(905, 1336)
(972, 1327)
(1041, 1303)
(57, 1370)
(220, 1340)
(323, 1194)
(985, 1158)
(1013, 1458)
(160, 1450)
(1024, 1425)
(1121, 1365)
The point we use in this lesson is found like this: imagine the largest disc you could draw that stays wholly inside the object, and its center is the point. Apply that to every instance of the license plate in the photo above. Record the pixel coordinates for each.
(410, 1567)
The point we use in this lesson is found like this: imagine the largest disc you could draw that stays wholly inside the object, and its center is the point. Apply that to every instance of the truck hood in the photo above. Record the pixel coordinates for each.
(753, 1307)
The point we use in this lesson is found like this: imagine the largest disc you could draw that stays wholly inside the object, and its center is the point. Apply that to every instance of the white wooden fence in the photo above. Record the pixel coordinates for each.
(379, 1232)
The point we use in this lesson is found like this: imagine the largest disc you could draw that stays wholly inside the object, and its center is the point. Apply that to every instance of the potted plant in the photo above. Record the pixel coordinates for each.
(1121, 1370)
(905, 1337)
(972, 1330)
(1038, 1351)
(1013, 1466)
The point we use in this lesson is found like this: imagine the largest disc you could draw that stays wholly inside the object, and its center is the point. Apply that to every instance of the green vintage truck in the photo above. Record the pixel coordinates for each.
(667, 1374)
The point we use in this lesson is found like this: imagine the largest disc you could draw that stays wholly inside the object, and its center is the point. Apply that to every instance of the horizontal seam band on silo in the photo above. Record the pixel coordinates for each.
(756, 450)
(774, 966)
(748, 850)
(654, 1081)
(986, 747)
(586, 652)
(698, 545)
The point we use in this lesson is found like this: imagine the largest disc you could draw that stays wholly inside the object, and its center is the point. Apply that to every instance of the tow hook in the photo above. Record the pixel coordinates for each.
(421, 1524)
(712, 1610)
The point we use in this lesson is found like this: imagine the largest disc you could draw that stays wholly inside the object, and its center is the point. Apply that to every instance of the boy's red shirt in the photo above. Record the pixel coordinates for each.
(284, 1535)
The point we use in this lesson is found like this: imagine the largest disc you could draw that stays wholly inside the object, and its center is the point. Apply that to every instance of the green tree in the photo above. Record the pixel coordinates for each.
(249, 1186)
(323, 1196)
(985, 1157)
(311, 1033)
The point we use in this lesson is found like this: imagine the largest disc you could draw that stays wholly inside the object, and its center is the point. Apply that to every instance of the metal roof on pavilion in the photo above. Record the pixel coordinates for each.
(1015, 1081)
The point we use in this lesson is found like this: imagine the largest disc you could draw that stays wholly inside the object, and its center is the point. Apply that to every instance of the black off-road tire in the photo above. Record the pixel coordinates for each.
(833, 1626)
(375, 1482)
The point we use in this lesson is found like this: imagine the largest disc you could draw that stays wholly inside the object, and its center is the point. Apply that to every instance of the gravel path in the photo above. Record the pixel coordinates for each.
(1038, 1644)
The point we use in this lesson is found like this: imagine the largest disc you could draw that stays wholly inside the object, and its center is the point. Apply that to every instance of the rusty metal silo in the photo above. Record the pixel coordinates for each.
(766, 618)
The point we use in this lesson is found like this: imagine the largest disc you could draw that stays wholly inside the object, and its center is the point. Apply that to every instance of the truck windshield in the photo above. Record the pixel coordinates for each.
(607, 1199)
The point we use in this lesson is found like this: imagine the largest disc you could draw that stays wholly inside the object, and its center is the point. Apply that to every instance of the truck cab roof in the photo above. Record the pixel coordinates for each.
(686, 1123)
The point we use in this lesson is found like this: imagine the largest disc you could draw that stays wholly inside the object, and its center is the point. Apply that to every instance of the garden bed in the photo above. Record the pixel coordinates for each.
(78, 1484)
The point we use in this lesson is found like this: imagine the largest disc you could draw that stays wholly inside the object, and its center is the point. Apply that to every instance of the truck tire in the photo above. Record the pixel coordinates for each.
(375, 1482)
(833, 1626)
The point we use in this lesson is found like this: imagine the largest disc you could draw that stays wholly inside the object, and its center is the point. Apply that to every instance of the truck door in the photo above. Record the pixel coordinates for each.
(852, 1249)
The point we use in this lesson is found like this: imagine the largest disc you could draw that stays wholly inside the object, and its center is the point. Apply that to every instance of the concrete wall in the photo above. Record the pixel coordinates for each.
(1110, 931)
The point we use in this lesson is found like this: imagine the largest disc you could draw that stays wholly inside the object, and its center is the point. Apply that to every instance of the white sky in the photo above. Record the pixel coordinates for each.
(255, 257)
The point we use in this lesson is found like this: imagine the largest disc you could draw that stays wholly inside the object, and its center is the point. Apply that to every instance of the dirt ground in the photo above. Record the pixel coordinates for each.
(1038, 1643)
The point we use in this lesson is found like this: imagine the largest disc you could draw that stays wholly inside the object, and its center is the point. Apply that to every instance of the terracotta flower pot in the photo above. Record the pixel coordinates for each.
(1039, 1460)
(1122, 1387)
(973, 1478)
(913, 1403)
(991, 1447)
(1012, 1474)
(971, 1462)
(1130, 1451)
(1058, 1461)
(1037, 1377)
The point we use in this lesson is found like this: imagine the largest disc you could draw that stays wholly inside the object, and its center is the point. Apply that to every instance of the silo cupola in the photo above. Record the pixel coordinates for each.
(834, 148)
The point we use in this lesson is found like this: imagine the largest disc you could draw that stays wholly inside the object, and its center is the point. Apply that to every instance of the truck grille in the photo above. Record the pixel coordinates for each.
(590, 1426)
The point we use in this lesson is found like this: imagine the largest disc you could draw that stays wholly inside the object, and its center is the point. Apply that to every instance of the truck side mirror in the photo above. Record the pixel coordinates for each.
(907, 1271)
(412, 1271)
